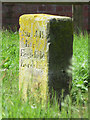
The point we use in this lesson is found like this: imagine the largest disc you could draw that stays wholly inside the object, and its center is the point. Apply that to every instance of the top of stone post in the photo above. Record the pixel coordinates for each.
(42, 17)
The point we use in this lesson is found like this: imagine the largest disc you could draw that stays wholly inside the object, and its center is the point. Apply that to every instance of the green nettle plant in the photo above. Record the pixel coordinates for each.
(73, 106)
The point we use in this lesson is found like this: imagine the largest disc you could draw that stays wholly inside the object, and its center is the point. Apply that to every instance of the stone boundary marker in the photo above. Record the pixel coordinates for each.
(46, 48)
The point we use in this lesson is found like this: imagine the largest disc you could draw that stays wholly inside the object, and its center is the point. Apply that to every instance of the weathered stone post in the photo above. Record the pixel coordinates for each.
(46, 48)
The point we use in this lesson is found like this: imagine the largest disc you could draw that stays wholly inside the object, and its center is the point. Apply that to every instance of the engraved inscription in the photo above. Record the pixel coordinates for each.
(38, 33)
(27, 51)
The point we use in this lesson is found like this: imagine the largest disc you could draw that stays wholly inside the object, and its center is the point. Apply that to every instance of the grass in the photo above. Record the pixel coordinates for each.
(74, 105)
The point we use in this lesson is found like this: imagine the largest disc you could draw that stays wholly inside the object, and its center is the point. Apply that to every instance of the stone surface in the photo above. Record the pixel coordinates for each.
(46, 43)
